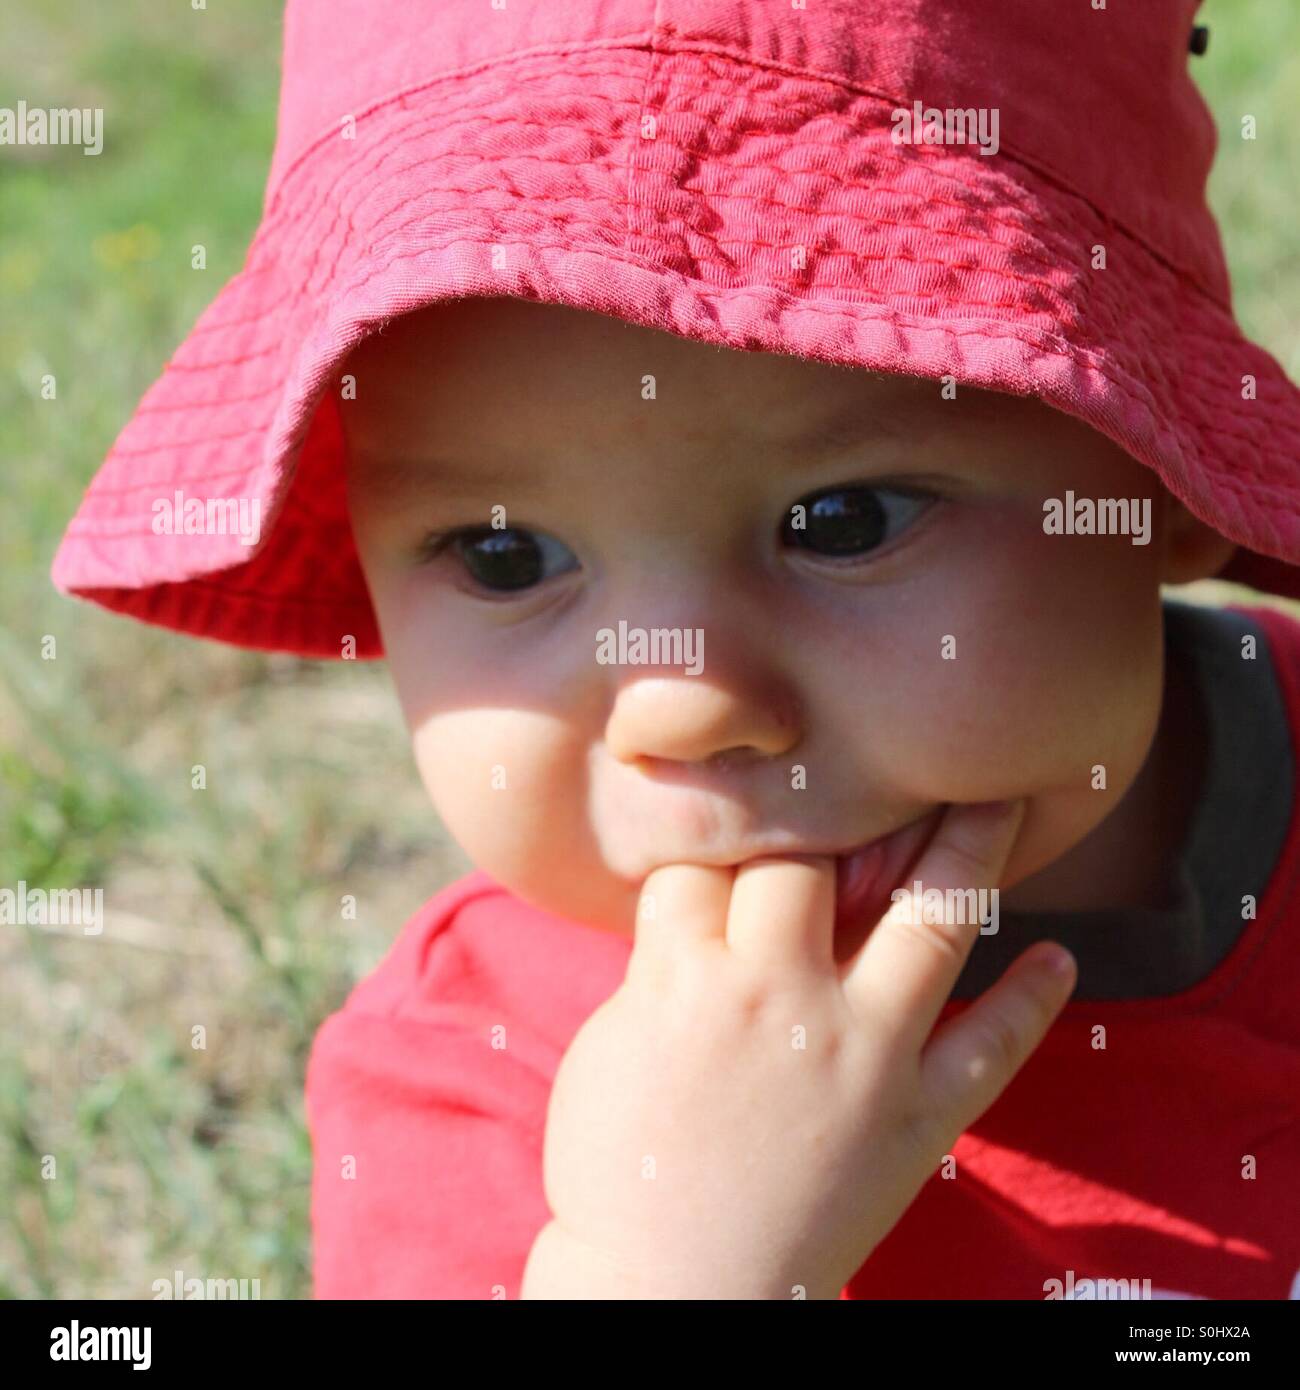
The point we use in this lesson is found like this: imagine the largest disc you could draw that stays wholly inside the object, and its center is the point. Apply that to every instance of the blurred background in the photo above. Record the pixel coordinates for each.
(222, 907)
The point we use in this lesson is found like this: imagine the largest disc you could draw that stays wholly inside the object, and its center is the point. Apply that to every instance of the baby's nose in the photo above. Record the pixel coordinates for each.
(683, 719)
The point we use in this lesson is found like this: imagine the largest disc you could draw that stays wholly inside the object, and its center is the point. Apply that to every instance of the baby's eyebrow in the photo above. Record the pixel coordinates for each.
(843, 432)
(397, 478)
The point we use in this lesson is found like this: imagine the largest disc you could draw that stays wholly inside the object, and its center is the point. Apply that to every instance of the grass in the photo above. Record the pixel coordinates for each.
(224, 904)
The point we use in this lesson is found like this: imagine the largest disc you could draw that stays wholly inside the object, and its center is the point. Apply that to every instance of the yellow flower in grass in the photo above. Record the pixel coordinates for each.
(113, 250)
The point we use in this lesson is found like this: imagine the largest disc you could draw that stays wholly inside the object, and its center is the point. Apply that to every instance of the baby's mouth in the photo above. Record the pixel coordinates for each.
(865, 876)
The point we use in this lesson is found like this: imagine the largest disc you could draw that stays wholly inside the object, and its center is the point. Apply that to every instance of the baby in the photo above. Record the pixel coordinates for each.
(776, 609)
(827, 719)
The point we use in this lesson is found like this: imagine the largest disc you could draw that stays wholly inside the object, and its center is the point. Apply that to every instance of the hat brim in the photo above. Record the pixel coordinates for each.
(769, 212)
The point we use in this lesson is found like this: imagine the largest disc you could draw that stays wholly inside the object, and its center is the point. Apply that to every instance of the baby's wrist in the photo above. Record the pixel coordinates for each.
(562, 1266)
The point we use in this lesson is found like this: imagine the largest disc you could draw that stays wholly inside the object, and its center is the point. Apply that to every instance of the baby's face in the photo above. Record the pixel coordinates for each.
(919, 641)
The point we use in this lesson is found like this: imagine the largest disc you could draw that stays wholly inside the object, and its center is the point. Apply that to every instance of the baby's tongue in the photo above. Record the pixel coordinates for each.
(865, 879)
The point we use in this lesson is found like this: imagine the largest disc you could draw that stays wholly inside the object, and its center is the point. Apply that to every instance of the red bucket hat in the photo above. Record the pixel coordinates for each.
(1009, 194)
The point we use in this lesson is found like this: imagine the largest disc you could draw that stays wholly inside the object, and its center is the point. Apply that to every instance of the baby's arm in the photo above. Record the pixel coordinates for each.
(744, 1117)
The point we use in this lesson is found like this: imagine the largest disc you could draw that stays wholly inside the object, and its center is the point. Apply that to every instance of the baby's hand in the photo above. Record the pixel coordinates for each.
(746, 1118)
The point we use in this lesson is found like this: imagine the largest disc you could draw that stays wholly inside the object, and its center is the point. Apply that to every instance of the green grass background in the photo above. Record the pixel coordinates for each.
(223, 905)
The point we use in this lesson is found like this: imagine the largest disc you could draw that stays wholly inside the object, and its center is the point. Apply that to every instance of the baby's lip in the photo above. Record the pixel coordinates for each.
(841, 852)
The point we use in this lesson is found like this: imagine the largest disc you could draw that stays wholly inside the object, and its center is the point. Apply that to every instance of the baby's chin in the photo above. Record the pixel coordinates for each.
(591, 899)
(1052, 829)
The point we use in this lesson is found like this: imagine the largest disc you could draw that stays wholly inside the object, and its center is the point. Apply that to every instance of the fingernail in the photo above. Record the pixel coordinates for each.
(1056, 960)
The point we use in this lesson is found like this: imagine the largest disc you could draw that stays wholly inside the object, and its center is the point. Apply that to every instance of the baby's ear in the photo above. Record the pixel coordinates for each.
(1193, 549)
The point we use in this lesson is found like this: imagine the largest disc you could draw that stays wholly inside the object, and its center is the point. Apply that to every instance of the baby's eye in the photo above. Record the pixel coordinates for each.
(852, 520)
(504, 560)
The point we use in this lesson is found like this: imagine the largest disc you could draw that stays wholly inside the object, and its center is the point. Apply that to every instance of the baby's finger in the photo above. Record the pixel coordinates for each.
(682, 903)
(908, 965)
(972, 1058)
(782, 912)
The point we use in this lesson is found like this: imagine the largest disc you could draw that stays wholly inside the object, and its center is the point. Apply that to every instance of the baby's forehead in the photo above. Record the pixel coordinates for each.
(482, 365)
(503, 397)
(518, 340)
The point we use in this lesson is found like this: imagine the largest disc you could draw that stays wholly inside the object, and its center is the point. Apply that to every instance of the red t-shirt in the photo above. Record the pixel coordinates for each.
(1171, 1156)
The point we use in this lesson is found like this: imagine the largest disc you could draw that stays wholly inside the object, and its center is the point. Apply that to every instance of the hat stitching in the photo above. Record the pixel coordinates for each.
(291, 294)
(1014, 192)
(749, 64)
(637, 44)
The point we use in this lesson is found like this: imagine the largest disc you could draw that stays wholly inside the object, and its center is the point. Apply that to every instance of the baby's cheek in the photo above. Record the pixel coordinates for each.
(1017, 708)
(509, 786)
